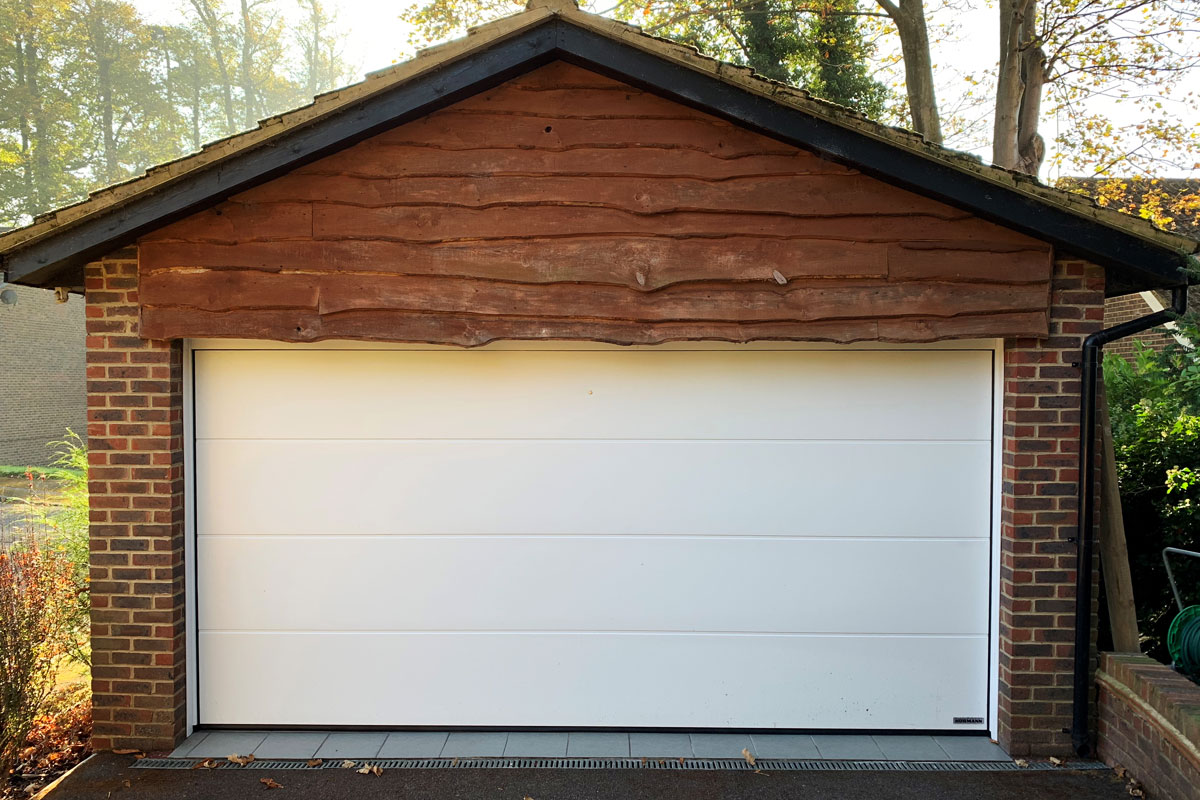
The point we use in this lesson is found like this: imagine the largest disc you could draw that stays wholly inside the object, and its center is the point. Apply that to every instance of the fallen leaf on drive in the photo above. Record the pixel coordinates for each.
(760, 772)
(643, 761)
(270, 783)
(681, 761)
(127, 784)
(370, 769)
(1136, 790)
(1058, 762)
(1119, 771)
(127, 752)
(348, 765)
(748, 756)
(314, 762)
(1020, 762)
(241, 761)
(208, 763)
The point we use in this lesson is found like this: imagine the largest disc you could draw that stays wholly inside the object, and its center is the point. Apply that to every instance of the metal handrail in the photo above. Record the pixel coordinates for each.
(1175, 551)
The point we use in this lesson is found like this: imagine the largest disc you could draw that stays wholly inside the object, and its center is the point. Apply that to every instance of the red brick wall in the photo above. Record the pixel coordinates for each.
(1038, 518)
(1150, 724)
(135, 429)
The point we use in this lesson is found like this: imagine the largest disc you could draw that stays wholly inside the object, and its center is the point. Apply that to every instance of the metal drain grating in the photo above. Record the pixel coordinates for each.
(690, 764)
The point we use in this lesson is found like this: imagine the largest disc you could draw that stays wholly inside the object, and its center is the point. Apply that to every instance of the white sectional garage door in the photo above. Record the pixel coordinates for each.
(695, 538)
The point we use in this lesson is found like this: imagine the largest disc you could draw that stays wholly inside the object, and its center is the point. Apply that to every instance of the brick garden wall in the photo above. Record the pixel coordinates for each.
(41, 374)
(1129, 307)
(135, 426)
(1150, 724)
(1038, 518)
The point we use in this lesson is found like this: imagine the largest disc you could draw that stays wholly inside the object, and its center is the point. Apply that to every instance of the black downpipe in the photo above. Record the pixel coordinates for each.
(1092, 346)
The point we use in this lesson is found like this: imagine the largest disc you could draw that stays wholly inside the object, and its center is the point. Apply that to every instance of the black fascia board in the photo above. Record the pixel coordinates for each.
(1135, 263)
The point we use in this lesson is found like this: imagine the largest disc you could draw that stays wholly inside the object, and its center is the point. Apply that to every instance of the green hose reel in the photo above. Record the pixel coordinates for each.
(1183, 637)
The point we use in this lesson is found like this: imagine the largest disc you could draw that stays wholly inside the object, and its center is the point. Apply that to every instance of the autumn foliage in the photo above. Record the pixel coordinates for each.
(38, 594)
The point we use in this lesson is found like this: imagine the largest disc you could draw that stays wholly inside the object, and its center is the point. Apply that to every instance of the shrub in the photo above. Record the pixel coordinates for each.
(38, 596)
(1154, 404)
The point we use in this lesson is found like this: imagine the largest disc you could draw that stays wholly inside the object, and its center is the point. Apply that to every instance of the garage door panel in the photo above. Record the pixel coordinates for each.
(593, 583)
(631, 394)
(921, 489)
(565, 680)
(750, 538)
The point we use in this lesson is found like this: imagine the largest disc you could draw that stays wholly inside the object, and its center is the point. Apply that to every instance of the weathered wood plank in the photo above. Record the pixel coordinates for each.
(428, 159)
(1114, 553)
(470, 331)
(618, 100)
(970, 260)
(561, 75)
(454, 130)
(790, 195)
(760, 301)
(207, 289)
(235, 222)
(1019, 324)
(659, 261)
(432, 223)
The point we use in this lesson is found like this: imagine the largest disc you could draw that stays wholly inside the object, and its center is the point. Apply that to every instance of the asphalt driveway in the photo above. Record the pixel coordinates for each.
(111, 777)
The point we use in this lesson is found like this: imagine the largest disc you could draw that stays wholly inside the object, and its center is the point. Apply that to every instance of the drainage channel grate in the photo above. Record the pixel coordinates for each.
(690, 764)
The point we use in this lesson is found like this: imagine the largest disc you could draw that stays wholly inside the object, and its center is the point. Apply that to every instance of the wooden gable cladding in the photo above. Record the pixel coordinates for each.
(566, 205)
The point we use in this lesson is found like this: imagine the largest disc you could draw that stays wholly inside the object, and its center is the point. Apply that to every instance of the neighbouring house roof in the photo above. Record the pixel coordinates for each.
(53, 249)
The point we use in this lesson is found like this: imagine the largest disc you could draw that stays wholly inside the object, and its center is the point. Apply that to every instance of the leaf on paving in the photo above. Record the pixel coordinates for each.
(270, 783)
(241, 761)
(681, 761)
(1020, 762)
(208, 763)
(1058, 762)
(314, 762)
(127, 784)
(1120, 771)
(128, 751)
(760, 772)
(370, 769)
(1136, 790)
(746, 754)
(348, 765)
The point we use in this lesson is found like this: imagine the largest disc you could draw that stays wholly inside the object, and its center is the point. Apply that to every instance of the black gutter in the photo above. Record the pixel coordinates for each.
(1092, 347)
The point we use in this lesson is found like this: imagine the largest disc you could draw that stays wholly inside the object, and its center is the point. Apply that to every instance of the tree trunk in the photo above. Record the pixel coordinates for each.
(102, 53)
(909, 17)
(1016, 144)
(248, 89)
(37, 125)
(211, 24)
(314, 59)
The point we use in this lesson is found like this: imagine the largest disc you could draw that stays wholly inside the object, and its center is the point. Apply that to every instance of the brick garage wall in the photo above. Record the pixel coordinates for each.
(41, 374)
(1150, 724)
(1129, 307)
(135, 425)
(135, 419)
(1038, 518)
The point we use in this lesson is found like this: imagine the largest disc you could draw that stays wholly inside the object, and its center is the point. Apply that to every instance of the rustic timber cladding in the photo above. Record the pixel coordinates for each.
(567, 205)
